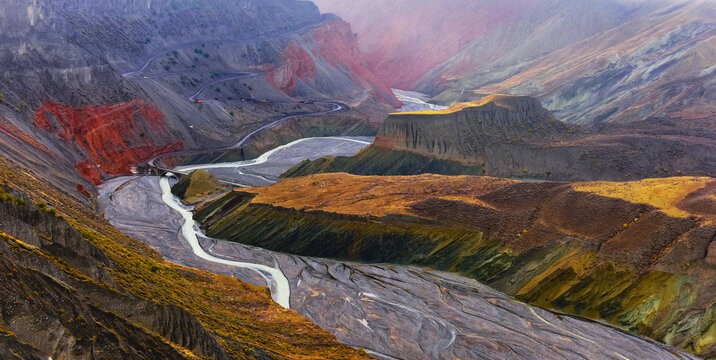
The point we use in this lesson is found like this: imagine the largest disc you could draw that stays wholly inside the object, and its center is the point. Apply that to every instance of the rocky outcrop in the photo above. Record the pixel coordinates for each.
(626, 253)
(197, 185)
(65, 302)
(513, 136)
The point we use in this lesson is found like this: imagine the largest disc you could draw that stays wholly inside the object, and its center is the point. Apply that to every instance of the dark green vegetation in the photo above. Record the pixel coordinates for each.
(74, 287)
(199, 184)
(375, 160)
(629, 264)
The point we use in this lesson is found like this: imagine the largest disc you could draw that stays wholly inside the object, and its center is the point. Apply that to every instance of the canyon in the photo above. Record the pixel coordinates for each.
(352, 179)
(586, 61)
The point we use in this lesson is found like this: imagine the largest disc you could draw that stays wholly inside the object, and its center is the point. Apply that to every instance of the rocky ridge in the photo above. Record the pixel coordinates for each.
(514, 136)
(635, 254)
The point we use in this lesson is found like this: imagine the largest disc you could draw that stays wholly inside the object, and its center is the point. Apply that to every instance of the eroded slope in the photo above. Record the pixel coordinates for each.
(75, 287)
(514, 136)
(629, 259)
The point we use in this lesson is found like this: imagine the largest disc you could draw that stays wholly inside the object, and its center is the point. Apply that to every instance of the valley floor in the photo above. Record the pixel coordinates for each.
(391, 311)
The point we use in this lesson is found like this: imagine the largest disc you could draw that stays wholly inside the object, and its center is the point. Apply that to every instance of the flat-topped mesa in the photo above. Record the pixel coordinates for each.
(462, 131)
(514, 136)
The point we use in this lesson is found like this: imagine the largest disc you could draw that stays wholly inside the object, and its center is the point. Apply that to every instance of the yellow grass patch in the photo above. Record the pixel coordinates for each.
(663, 194)
(498, 99)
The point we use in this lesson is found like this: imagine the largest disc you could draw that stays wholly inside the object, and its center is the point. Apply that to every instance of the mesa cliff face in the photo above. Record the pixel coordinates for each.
(513, 136)
(461, 133)
(635, 254)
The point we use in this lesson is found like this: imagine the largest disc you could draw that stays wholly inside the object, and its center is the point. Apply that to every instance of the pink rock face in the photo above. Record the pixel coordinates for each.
(335, 44)
(401, 40)
(588, 61)
(346, 53)
(297, 63)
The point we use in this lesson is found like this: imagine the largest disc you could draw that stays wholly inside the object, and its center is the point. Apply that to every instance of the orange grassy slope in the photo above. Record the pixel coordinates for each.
(239, 314)
(378, 196)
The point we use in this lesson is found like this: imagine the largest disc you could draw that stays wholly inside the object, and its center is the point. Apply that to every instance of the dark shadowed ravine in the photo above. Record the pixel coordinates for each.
(394, 312)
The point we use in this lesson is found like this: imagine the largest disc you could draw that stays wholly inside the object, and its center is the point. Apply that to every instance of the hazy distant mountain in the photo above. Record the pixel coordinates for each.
(586, 60)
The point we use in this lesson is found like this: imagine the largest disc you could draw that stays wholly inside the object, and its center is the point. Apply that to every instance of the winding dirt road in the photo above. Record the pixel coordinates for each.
(276, 280)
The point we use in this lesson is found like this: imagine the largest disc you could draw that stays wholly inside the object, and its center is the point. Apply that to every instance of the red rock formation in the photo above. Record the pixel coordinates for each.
(81, 189)
(297, 63)
(112, 138)
(16, 134)
(336, 45)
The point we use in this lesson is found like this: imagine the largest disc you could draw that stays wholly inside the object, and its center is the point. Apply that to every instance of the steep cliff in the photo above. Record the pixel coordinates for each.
(513, 136)
(587, 60)
(635, 254)
(423, 33)
(332, 47)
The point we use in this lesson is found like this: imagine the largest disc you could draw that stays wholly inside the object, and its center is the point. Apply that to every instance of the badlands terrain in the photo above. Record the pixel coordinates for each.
(353, 179)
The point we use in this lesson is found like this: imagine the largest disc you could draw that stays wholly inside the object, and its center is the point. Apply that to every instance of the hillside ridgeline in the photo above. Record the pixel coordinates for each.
(635, 254)
(514, 136)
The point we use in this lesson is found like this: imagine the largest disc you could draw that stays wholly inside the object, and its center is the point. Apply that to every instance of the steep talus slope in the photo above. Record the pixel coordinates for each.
(75, 287)
(135, 64)
(513, 136)
(629, 253)
(587, 61)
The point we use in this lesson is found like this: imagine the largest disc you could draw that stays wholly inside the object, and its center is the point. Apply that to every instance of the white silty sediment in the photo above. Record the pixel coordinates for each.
(261, 159)
(277, 281)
